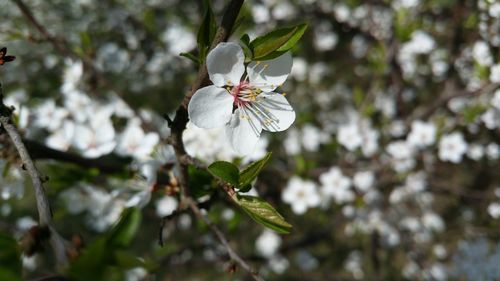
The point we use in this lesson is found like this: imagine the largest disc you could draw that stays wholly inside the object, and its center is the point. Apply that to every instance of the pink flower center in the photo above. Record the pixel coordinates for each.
(243, 93)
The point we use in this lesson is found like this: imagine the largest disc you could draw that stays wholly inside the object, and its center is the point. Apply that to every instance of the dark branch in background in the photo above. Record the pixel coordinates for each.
(450, 91)
(44, 212)
(104, 164)
(58, 44)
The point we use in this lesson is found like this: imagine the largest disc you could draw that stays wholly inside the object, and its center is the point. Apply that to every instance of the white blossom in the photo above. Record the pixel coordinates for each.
(257, 106)
(364, 180)
(62, 138)
(135, 142)
(422, 134)
(97, 137)
(268, 243)
(452, 147)
(337, 186)
(494, 210)
(349, 136)
(301, 195)
(166, 206)
(49, 116)
(495, 73)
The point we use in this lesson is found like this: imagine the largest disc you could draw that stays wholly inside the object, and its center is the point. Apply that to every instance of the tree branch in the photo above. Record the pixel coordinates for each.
(450, 91)
(44, 211)
(218, 233)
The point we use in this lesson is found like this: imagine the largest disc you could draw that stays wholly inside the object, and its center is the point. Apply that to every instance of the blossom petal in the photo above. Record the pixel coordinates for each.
(277, 114)
(210, 107)
(268, 75)
(243, 131)
(225, 63)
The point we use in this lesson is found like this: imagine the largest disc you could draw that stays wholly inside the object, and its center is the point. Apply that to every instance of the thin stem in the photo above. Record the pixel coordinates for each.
(218, 233)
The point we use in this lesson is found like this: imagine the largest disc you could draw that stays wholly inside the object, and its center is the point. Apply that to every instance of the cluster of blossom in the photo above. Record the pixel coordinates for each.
(411, 148)
(368, 140)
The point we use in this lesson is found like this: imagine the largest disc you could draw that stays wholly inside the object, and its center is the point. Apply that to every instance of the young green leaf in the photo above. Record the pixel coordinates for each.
(276, 42)
(263, 213)
(190, 56)
(245, 188)
(124, 231)
(200, 182)
(245, 39)
(105, 254)
(86, 41)
(252, 171)
(206, 32)
(226, 172)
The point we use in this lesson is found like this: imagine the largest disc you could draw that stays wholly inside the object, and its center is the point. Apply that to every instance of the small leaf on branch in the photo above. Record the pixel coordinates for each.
(108, 252)
(277, 42)
(191, 57)
(245, 39)
(263, 213)
(124, 231)
(252, 171)
(226, 172)
(207, 30)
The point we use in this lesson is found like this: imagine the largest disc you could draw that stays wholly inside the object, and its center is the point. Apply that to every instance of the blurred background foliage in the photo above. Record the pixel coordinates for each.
(426, 208)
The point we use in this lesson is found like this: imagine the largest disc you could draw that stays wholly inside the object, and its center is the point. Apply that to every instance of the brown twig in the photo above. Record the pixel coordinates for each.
(44, 211)
(59, 45)
(218, 233)
(450, 91)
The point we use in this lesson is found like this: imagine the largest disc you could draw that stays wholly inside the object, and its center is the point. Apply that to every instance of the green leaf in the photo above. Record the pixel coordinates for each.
(10, 257)
(100, 258)
(245, 39)
(190, 56)
(245, 188)
(125, 259)
(252, 171)
(226, 172)
(90, 265)
(7, 274)
(200, 182)
(206, 32)
(276, 42)
(86, 41)
(358, 96)
(263, 213)
(124, 231)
